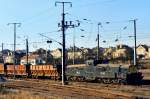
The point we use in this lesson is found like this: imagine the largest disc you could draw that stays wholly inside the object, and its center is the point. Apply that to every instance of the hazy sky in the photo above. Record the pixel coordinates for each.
(41, 16)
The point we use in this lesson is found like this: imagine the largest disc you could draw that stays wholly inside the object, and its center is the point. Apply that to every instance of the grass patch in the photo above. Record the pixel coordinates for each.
(20, 94)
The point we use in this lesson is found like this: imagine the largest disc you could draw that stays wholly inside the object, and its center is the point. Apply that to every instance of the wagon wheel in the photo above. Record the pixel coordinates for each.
(70, 78)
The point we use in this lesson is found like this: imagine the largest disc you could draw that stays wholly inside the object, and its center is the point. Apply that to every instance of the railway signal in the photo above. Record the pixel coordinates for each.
(49, 41)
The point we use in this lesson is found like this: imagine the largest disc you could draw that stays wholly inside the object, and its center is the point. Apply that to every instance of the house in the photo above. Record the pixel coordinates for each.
(120, 51)
(143, 51)
(6, 56)
(32, 59)
(57, 53)
(40, 51)
(86, 50)
(149, 52)
(123, 51)
(80, 53)
(108, 52)
(87, 53)
(76, 55)
(8, 59)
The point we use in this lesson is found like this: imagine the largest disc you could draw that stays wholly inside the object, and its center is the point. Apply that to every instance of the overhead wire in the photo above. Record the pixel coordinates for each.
(114, 22)
(91, 31)
(96, 3)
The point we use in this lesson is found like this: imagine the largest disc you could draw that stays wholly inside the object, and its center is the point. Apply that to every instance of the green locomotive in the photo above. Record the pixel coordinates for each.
(104, 74)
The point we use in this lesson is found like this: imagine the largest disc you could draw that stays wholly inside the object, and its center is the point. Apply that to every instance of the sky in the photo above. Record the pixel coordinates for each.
(42, 17)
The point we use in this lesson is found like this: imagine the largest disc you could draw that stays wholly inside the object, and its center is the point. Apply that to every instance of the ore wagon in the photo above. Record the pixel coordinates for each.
(1, 69)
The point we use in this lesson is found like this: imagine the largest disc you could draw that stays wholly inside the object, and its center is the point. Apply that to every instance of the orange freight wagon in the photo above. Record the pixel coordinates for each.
(49, 70)
(19, 70)
(36, 70)
(10, 69)
(43, 70)
(1, 69)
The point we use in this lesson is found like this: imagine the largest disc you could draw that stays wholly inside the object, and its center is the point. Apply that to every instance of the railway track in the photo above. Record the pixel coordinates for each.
(65, 92)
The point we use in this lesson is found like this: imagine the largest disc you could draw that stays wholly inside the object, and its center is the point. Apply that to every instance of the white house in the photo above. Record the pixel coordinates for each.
(143, 51)
(8, 58)
(56, 53)
(76, 55)
(32, 59)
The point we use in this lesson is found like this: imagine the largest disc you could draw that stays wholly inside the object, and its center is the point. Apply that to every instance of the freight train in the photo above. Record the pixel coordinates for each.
(89, 72)
(33, 71)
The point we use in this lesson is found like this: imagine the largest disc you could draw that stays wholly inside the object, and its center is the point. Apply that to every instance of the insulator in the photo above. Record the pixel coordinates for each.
(107, 22)
(66, 23)
(78, 24)
(70, 22)
(116, 40)
(73, 26)
(104, 41)
(58, 24)
(81, 29)
(99, 23)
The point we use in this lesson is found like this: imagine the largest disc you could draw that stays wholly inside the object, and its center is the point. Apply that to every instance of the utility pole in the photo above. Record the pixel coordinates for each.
(73, 48)
(64, 25)
(2, 46)
(27, 51)
(74, 41)
(2, 52)
(98, 42)
(63, 40)
(14, 57)
(135, 53)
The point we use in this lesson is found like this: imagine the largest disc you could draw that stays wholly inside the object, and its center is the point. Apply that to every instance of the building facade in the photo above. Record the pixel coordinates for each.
(143, 52)
(32, 59)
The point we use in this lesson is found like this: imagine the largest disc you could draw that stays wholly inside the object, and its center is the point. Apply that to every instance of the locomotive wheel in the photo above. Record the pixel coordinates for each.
(99, 80)
(81, 78)
(106, 81)
(78, 79)
(70, 78)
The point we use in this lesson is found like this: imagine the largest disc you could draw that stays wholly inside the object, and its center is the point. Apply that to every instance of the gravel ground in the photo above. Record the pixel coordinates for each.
(46, 89)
